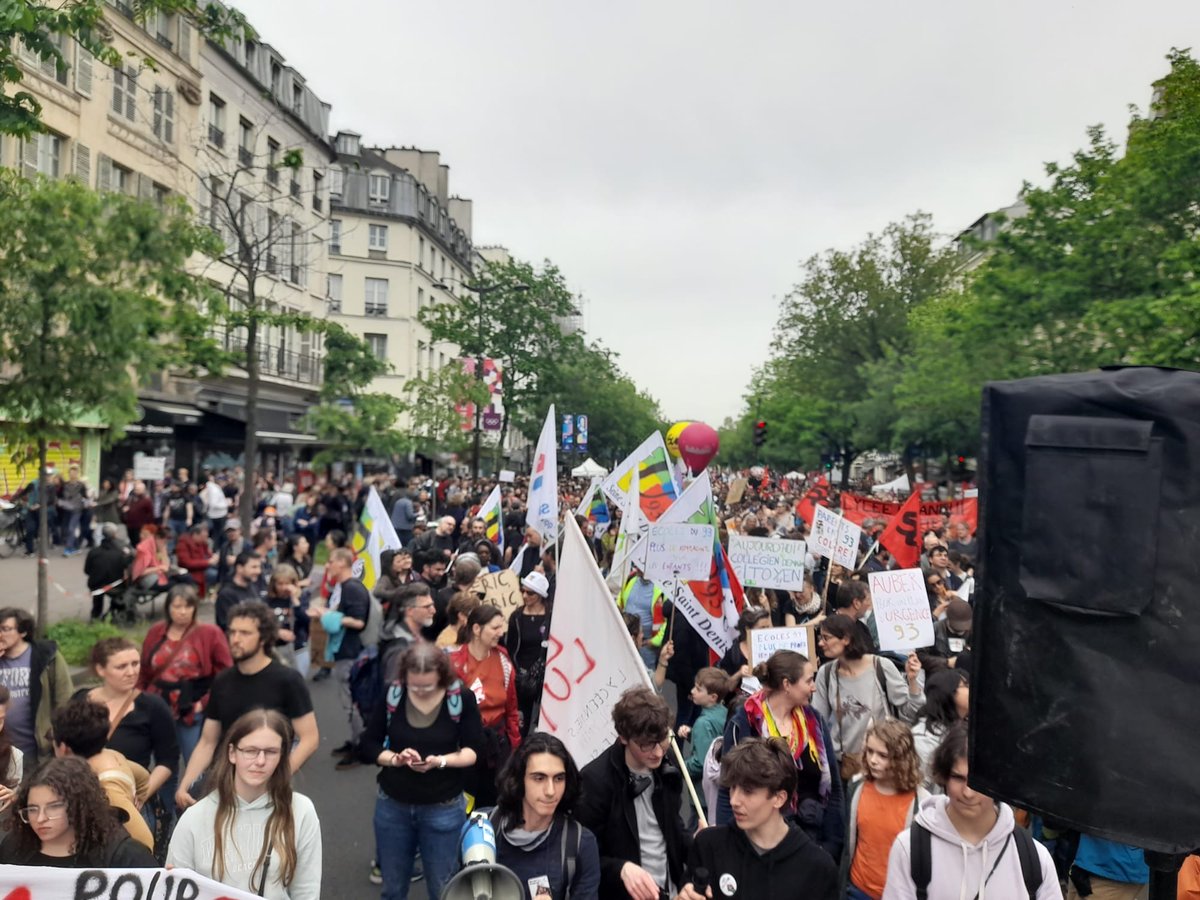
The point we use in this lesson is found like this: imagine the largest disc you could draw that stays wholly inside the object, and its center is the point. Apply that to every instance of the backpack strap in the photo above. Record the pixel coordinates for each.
(920, 863)
(392, 697)
(882, 679)
(1031, 866)
(569, 851)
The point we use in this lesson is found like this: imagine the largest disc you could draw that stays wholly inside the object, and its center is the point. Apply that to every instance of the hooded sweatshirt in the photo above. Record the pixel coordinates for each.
(736, 869)
(960, 870)
(193, 843)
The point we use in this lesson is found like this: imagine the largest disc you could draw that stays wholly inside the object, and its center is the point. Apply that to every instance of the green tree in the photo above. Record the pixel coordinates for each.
(351, 420)
(848, 312)
(511, 312)
(40, 27)
(433, 403)
(93, 293)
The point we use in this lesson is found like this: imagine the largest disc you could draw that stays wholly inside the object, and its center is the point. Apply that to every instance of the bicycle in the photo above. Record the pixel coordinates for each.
(12, 528)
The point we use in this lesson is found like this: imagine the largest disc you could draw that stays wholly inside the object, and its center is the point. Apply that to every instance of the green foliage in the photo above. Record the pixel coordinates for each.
(75, 638)
(432, 404)
(38, 26)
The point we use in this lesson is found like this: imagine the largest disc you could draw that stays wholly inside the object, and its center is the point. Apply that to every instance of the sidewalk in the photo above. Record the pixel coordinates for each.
(69, 596)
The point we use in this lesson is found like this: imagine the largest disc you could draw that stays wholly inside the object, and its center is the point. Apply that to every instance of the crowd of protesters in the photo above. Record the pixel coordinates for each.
(843, 775)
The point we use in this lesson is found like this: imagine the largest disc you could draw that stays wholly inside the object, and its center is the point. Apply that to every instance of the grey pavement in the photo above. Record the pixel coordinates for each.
(69, 597)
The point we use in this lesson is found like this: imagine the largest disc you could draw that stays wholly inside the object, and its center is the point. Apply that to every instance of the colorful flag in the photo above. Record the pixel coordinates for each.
(591, 660)
(592, 506)
(712, 606)
(900, 538)
(493, 518)
(658, 488)
(543, 483)
(633, 527)
(373, 535)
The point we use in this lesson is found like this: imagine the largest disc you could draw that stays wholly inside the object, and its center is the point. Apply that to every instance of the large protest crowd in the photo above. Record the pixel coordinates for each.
(840, 773)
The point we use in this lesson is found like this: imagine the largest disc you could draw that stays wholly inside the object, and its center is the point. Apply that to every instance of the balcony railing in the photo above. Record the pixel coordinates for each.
(272, 176)
(245, 157)
(216, 136)
(295, 189)
(275, 360)
(316, 203)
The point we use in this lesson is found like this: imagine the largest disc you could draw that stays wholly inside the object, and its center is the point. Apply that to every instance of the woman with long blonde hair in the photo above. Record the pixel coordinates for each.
(253, 832)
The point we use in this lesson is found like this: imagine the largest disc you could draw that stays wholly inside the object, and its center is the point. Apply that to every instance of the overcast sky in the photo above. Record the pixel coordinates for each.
(678, 160)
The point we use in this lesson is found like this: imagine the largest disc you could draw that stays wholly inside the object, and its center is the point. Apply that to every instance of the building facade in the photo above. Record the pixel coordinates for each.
(397, 243)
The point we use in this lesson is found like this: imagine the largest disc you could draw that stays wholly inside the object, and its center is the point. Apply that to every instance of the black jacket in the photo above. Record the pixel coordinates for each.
(796, 867)
(106, 563)
(606, 808)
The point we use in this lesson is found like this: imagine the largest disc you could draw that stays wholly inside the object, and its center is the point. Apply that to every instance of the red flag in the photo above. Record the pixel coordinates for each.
(900, 537)
(818, 495)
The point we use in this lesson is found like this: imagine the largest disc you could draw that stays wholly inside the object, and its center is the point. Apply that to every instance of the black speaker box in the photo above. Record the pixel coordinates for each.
(1085, 698)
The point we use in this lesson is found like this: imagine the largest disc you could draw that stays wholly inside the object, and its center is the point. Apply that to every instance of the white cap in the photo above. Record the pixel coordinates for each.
(536, 582)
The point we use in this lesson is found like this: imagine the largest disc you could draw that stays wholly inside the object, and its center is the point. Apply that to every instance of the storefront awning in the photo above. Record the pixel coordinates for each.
(287, 437)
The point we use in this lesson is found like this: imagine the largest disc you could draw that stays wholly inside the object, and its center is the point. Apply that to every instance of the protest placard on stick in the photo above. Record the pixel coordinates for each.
(678, 552)
(902, 611)
(500, 589)
(768, 562)
(765, 642)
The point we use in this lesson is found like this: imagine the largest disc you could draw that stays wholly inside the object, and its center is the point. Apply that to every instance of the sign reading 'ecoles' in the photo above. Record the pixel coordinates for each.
(678, 552)
(768, 562)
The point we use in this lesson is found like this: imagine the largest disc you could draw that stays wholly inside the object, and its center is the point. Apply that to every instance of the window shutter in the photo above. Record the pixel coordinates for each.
(104, 173)
(83, 72)
(83, 163)
(117, 81)
(29, 153)
(169, 117)
(131, 95)
(185, 39)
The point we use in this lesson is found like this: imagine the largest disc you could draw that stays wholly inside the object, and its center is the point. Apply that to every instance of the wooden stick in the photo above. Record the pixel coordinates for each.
(687, 780)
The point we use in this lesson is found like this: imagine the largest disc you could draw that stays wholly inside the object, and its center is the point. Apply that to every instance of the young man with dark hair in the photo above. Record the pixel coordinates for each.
(631, 802)
(38, 681)
(243, 587)
(966, 844)
(759, 856)
(255, 681)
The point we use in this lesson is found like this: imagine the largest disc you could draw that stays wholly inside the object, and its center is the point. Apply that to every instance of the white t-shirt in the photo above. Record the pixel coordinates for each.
(214, 501)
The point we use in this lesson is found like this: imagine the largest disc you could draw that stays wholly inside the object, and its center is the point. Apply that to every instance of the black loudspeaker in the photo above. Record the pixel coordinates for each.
(1085, 698)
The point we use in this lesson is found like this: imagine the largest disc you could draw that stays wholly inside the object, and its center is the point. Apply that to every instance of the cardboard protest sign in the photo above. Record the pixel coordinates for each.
(49, 883)
(506, 476)
(675, 552)
(737, 490)
(768, 562)
(764, 642)
(591, 660)
(835, 538)
(501, 589)
(901, 609)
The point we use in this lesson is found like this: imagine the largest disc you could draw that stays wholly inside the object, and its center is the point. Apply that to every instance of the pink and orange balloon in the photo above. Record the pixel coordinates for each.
(698, 444)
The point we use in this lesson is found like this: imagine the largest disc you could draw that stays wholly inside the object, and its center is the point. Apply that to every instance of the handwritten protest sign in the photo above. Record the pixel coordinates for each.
(835, 538)
(506, 476)
(768, 562)
(678, 552)
(501, 589)
(48, 883)
(901, 609)
(764, 642)
(737, 490)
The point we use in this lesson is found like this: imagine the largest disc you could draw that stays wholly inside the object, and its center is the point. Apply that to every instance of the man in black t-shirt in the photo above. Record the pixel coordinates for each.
(256, 681)
(242, 588)
(351, 598)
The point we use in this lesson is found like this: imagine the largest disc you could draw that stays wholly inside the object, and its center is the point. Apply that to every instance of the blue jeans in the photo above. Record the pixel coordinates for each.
(402, 828)
(853, 893)
(189, 737)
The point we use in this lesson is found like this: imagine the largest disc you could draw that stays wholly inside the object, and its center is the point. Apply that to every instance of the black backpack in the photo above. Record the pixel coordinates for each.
(572, 838)
(921, 859)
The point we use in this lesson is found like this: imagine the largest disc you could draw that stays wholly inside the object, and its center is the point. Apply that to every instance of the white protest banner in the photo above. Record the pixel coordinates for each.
(834, 537)
(500, 589)
(764, 642)
(49, 883)
(542, 512)
(374, 534)
(149, 468)
(901, 609)
(710, 605)
(591, 660)
(506, 476)
(678, 552)
(768, 562)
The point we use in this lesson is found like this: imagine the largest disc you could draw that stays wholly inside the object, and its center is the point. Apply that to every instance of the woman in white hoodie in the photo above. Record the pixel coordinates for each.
(252, 832)
(975, 844)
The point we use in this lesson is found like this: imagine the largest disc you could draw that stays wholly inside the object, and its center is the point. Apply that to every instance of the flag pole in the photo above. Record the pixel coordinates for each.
(687, 780)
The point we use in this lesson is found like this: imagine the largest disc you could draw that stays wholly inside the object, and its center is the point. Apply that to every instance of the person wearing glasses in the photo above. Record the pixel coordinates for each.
(631, 803)
(61, 817)
(423, 736)
(252, 831)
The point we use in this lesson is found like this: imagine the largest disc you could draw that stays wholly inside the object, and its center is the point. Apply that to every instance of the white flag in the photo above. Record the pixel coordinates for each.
(591, 660)
(543, 484)
(627, 551)
(375, 533)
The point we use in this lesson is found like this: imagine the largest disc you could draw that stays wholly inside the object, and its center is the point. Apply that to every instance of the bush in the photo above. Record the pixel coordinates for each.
(75, 638)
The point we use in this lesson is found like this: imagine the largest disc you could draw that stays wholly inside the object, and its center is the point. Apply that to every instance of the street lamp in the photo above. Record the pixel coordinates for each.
(482, 290)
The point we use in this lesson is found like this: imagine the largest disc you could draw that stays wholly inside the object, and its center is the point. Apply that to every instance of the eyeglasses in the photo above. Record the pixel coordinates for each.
(651, 746)
(427, 606)
(55, 810)
(423, 688)
(249, 754)
(7, 629)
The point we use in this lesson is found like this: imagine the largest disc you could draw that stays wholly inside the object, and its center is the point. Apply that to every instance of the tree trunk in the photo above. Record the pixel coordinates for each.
(250, 448)
(43, 544)
(848, 457)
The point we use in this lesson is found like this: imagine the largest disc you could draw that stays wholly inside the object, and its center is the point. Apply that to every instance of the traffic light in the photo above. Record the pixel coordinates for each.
(827, 461)
(760, 432)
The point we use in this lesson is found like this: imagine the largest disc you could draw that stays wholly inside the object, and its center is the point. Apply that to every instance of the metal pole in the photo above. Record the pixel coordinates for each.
(478, 378)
